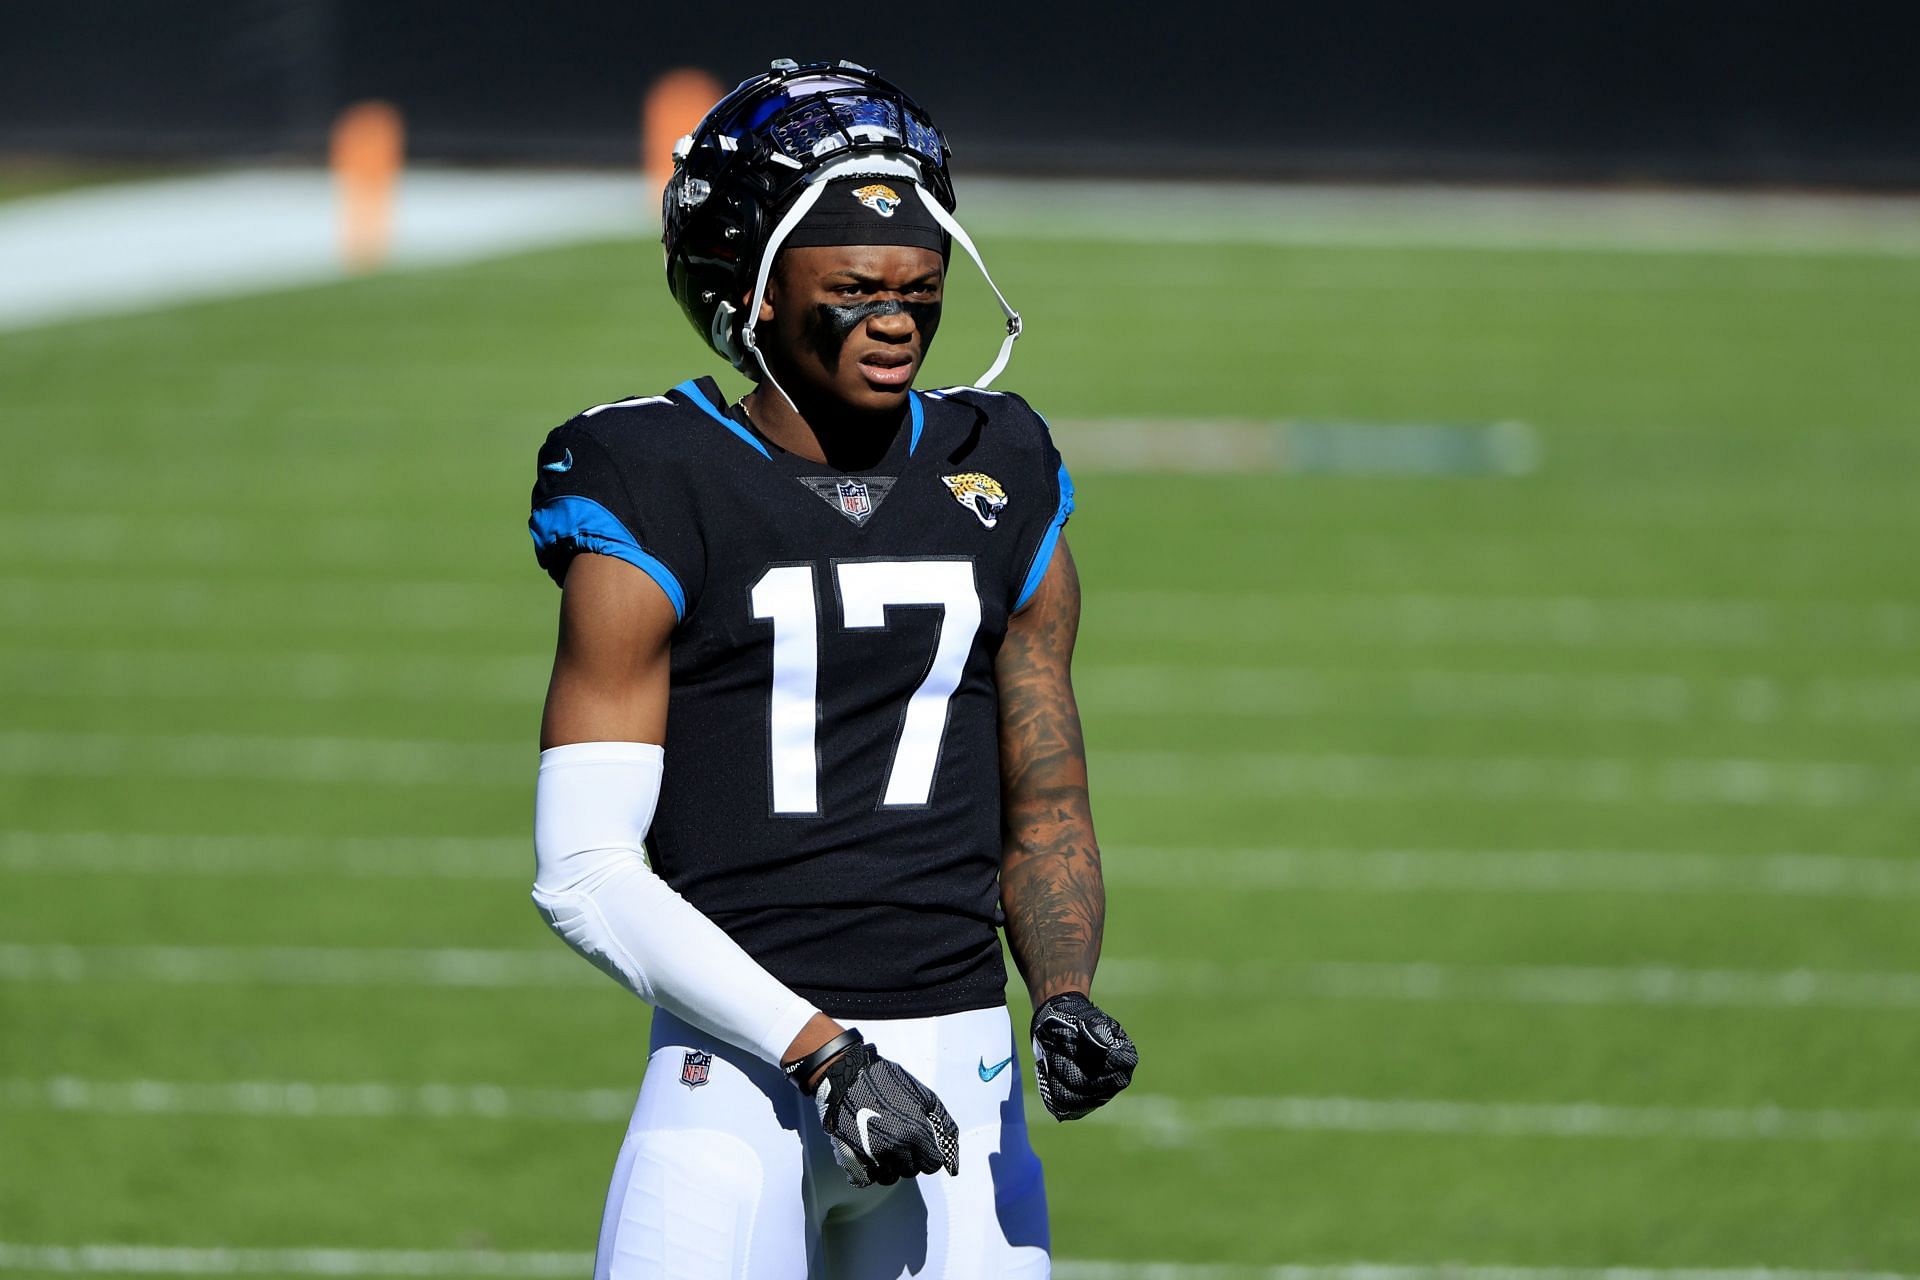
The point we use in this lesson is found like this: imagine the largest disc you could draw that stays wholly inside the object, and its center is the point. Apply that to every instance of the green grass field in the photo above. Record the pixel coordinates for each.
(19, 179)
(1467, 800)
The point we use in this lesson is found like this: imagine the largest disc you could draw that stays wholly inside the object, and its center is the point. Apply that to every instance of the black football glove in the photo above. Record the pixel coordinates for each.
(884, 1124)
(1081, 1057)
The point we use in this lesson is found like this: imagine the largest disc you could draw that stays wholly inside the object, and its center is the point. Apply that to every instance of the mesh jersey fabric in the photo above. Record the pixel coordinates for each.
(858, 861)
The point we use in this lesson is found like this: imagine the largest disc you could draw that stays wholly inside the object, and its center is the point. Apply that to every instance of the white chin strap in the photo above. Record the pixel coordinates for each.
(809, 196)
(959, 233)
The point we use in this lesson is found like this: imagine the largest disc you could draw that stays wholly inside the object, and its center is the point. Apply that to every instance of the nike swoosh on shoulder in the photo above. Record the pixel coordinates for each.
(861, 1118)
(564, 464)
(989, 1072)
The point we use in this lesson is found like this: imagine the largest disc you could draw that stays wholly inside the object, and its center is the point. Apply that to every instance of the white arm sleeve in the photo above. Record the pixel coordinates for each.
(592, 807)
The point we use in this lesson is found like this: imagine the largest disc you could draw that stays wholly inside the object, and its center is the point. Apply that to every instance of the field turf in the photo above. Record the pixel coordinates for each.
(19, 180)
(1504, 871)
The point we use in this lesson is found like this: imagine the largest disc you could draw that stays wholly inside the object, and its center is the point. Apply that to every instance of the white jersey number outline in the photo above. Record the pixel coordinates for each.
(787, 597)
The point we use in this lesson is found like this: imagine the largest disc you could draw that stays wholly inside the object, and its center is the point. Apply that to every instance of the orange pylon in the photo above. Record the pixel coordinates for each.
(367, 152)
(674, 105)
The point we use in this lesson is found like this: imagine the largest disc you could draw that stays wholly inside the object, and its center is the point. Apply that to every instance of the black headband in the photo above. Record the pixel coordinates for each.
(868, 211)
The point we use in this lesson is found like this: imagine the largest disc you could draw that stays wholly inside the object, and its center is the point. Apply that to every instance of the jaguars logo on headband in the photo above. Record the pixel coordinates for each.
(979, 493)
(880, 198)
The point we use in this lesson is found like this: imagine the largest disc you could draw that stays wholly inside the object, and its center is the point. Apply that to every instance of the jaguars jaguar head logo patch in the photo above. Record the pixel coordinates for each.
(878, 197)
(979, 493)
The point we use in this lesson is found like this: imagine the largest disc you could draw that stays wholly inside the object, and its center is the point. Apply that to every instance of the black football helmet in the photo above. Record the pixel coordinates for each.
(755, 164)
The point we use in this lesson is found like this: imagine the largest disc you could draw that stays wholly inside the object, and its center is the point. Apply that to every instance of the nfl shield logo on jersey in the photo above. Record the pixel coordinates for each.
(693, 1071)
(855, 502)
(854, 498)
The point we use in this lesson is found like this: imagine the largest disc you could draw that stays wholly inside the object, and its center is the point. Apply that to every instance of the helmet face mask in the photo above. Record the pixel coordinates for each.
(754, 166)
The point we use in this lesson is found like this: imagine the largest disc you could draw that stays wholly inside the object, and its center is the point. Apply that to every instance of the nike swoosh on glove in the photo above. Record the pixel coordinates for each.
(1081, 1056)
(884, 1124)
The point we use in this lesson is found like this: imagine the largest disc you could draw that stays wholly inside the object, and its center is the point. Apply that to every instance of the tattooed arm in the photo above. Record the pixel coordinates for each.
(1050, 886)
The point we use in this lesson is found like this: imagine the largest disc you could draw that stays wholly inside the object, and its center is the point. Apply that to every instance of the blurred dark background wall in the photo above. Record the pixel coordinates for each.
(1708, 91)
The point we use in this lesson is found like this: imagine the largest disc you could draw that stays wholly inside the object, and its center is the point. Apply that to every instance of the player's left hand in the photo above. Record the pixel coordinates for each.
(1081, 1056)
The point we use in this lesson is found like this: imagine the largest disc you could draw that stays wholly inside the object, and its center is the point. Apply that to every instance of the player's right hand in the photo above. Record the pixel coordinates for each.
(883, 1123)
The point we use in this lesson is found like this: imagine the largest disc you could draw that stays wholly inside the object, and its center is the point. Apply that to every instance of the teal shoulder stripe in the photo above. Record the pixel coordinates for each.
(692, 392)
(1044, 555)
(588, 526)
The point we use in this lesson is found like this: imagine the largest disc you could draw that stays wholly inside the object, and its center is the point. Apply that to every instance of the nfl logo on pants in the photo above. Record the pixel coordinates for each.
(693, 1071)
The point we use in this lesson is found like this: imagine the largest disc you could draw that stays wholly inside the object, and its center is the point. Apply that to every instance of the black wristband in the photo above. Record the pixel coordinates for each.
(802, 1069)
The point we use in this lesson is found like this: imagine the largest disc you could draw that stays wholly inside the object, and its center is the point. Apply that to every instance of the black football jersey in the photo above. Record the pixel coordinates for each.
(832, 788)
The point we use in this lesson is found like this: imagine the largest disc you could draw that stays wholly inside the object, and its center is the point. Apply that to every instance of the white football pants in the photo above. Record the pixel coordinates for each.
(725, 1173)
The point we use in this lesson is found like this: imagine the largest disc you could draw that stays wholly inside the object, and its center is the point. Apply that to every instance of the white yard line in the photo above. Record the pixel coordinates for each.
(1597, 780)
(229, 1260)
(279, 674)
(1650, 697)
(1162, 1119)
(302, 1099)
(1544, 871)
(1388, 871)
(1744, 783)
(1181, 1121)
(262, 758)
(1573, 985)
(1421, 216)
(1067, 1269)
(1378, 619)
(294, 966)
(154, 605)
(1567, 621)
(1417, 982)
(122, 854)
(135, 246)
(1298, 446)
(1156, 689)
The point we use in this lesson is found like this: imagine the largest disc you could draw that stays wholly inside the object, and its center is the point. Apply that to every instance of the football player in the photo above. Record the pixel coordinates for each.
(850, 603)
